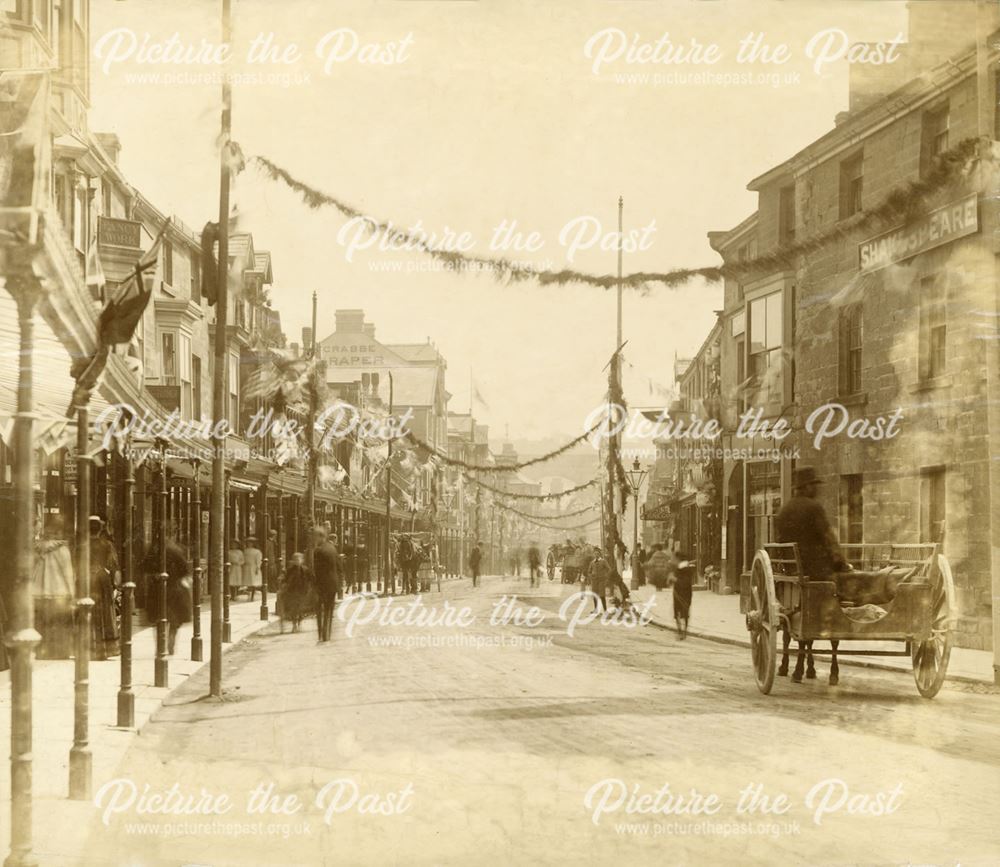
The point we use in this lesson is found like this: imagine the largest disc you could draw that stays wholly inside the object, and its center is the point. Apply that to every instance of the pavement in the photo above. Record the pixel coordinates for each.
(474, 726)
(717, 618)
(53, 721)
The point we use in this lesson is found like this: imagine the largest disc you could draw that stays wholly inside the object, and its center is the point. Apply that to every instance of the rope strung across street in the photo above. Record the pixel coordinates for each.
(575, 513)
(505, 468)
(537, 497)
(903, 201)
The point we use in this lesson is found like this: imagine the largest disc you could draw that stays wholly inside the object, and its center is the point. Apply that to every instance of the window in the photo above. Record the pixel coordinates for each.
(168, 357)
(765, 346)
(763, 503)
(851, 184)
(168, 263)
(741, 375)
(185, 375)
(851, 509)
(932, 503)
(195, 279)
(196, 394)
(786, 215)
(933, 327)
(851, 337)
(234, 393)
(934, 137)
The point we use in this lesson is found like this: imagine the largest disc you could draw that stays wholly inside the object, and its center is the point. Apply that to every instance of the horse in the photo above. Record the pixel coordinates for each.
(804, 660)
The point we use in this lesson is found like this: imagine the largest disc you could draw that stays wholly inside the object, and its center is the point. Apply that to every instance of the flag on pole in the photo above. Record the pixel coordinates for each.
(477, 396)
(117, 321)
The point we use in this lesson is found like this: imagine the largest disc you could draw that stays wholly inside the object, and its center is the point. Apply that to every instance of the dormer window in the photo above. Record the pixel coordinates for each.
(786, 215)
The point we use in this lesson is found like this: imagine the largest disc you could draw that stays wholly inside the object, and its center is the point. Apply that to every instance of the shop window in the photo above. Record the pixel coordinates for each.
(763, 503)
(851, 509)
(932, 504)
(765, 347)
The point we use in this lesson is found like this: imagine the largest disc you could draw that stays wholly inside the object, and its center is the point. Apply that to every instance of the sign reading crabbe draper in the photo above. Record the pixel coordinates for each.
(940, 226)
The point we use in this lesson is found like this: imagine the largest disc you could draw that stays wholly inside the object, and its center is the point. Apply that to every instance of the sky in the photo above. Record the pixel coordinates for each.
(485, 114)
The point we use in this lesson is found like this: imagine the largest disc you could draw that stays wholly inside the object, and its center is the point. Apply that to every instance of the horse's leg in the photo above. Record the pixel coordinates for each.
(786, 639)
(810, 665)
(834, 668)
(800, 661)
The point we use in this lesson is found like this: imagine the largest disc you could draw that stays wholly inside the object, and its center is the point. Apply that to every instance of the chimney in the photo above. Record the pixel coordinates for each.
(295, 350)
(307, 338)
(370, 329)
(350, 321)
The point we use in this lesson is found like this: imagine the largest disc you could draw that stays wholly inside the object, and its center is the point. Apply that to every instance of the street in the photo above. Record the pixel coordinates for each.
(502, 744)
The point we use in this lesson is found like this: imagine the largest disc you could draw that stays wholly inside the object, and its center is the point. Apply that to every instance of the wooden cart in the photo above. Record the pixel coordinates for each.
(776, 596)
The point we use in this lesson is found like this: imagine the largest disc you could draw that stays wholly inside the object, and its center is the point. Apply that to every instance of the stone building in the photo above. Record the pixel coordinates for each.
(839, 310)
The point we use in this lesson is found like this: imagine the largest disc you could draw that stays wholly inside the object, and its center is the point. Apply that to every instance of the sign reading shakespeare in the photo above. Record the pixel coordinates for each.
(941, 226)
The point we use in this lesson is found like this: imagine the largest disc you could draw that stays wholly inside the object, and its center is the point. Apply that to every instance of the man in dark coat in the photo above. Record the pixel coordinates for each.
(534, 564)
(104, 578)
(803, 520)
(326, 572)
(475, 559)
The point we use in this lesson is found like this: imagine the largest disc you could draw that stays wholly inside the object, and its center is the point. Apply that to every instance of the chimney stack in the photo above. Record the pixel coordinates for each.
(350, 321)
(307, 338)
(370, 329)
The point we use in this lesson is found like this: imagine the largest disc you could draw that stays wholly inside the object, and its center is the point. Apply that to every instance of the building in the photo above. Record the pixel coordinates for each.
(833, 315)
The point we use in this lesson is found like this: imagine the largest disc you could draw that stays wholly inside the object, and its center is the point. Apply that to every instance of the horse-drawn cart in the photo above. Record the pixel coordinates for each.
(900, 593)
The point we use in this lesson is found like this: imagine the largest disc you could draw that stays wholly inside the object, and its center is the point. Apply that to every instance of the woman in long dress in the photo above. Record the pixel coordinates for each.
(235, 568)
(253, 577)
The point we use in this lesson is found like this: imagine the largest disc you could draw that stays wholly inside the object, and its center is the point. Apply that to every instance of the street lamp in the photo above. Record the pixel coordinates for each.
(636, 476)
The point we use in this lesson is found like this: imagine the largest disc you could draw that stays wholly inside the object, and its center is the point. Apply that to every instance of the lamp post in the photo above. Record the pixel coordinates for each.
(636, 476)
(126, 696)
(161, 664)
(197, 649)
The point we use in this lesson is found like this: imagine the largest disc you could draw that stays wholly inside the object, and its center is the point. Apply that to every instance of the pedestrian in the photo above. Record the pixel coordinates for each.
(235, 568)
(273, 576)
(253, 558)
(293, 594)
(534, 563)
(105, 579)
(550, 563)
(178, 610)
(326, 577)
(475, 559)
(658, 567)
(599, 573)
(54, 588)
(638, 567)
(683, 582)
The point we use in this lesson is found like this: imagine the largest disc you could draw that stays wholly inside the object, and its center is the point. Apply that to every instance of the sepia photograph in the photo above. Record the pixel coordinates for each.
(499, 432)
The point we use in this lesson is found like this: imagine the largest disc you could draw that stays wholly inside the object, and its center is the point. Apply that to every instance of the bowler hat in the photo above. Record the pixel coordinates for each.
(804, 477)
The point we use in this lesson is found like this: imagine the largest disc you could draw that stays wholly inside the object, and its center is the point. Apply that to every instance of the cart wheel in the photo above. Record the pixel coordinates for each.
(930, 657)
(762, 621)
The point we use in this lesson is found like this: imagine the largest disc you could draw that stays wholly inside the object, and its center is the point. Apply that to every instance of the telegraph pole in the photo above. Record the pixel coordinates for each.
(219, 376)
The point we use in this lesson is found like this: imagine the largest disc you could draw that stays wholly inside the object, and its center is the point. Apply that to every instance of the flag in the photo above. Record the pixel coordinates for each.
(477, 396)
(117, 322)
(121, 314)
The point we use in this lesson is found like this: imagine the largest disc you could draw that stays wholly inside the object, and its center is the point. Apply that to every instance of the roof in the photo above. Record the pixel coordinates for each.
(415, 351)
